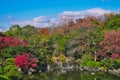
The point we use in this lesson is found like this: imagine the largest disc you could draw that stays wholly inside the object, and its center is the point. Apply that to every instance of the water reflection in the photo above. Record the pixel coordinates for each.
(73, 75)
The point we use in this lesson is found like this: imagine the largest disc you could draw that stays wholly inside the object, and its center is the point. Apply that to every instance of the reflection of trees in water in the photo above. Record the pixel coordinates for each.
(73, 75)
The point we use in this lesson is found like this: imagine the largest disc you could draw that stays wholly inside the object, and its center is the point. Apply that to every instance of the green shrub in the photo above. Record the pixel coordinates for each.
(78, 61)
(9, 61)
(4, 77)
(114, 22)
(13, 51)
(107, 63)
(87, 57)
(9, 65)
(93, 64)
(82, 63)
(14, 74)
(90, 64)
(87, 60)
(117, 63)
(97, 64)
(1, 67)
(11, 70)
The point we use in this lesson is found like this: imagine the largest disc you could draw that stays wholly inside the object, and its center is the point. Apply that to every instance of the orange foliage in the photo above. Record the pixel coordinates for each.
(44, 31)
(108, 16)
(88, 22)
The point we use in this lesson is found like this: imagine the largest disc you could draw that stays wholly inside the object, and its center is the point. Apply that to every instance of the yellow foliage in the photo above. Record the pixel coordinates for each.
(54, 59)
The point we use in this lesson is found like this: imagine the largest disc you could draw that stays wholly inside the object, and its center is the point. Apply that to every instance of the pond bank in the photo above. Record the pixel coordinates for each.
(71, 75)
(93, 70)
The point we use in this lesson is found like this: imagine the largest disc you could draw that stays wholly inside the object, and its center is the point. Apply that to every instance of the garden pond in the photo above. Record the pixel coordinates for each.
(72, 75)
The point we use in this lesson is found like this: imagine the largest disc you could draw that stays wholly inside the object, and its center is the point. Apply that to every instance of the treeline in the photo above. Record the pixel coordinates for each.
(88, 39)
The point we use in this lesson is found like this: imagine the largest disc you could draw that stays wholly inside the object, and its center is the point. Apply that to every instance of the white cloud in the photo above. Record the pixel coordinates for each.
(44, 21)
(1, 30)
(41, 21)
(81, 14)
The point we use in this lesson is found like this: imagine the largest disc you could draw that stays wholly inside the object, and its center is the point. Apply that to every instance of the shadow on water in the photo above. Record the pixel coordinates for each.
(72, 75)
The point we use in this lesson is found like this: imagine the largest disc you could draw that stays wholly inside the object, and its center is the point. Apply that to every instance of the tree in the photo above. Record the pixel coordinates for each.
(113, 22)
(25, 62)
(13, 51)
(110, 45)
(44, 31)
(10, 41)
(15, 27)
(78, 45)
(14, 31)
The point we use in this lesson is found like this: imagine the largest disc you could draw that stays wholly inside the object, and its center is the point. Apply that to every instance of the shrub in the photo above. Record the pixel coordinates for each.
(10, 41)
(97, 64)
(93, 64)
(83, 63)
(110, 46)
(78, 61)
(87, 57)
(1, 68)
(117, 63)
(62, 58)
(113, 22)
(107, 63)
(115, 56)
(10, 70)
(9, 65)
(4, 77)
(25, 62)
(90, 64)
(13, 51)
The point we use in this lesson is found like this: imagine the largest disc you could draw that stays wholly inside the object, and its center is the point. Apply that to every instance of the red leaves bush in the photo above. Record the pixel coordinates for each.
(25, 61)
(10, 41)
(115, 56)
(110, 46)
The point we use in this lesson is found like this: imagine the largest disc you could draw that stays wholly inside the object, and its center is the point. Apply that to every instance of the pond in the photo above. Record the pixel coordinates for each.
(72, 75)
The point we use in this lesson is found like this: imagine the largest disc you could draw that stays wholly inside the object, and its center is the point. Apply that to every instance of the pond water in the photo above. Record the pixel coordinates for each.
(72, 75)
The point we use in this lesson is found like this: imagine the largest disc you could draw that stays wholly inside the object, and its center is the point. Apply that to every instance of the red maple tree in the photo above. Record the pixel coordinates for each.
(10, 41)
(25, 61)
(110, 46)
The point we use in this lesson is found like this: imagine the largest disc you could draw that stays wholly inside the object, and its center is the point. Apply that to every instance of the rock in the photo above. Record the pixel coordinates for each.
(92, 73)
(29, 73)
(40, 71)
(63, 71)
(31, 70)
(115, 71)
(86, 68)
(48, 68)
(81, 69)
(110, 71)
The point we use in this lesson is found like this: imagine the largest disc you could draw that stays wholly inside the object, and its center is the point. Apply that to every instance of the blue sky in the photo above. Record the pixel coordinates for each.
(28, 9)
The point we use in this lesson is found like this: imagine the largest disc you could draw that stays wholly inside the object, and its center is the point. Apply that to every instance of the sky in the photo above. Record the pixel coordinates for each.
(44, 12)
